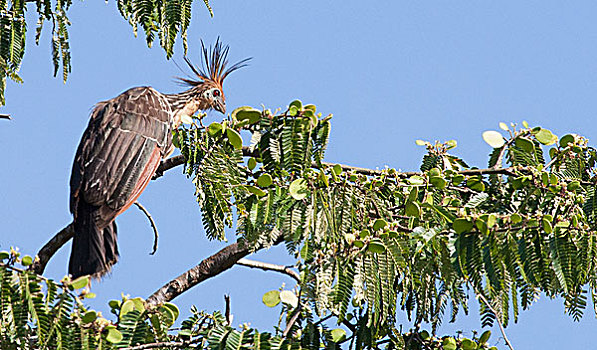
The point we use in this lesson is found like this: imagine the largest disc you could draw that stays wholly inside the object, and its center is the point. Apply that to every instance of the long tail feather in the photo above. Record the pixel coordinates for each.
(94, 249)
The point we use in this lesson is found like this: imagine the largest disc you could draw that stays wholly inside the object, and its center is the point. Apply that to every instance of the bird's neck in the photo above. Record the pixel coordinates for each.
(181, 100)
(185, 103)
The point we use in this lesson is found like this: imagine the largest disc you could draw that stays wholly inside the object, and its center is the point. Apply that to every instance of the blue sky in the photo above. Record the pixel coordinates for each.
(391, 73)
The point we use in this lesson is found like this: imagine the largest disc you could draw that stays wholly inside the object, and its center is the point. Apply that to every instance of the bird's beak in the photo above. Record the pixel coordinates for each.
(220, 107)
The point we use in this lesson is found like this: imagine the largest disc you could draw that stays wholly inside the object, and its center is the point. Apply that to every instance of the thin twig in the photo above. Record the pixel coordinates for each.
(227, 313)
(153, 226)
(50, 248)
(497, 315)
(5, 116)
(270, 267)
(295, 316)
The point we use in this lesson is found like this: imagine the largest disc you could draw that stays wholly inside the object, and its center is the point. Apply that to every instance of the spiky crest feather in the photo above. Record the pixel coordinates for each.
(214, 65)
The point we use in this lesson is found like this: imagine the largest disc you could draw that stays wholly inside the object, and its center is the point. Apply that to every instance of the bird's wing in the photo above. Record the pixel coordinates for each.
(119, 151)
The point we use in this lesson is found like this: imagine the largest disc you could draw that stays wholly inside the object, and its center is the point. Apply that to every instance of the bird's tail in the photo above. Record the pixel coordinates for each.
(94, 249)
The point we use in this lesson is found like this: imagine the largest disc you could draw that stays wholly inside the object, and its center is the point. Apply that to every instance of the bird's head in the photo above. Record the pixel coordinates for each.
(207, 89)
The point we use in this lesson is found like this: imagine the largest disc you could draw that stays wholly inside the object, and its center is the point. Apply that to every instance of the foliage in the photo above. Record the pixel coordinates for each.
(166, 18)
(371, 243)
(373, 247)
(39, 313)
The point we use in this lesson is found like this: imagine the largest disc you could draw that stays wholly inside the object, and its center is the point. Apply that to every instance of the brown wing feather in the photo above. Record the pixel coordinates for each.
(118, 154)
(116, 147)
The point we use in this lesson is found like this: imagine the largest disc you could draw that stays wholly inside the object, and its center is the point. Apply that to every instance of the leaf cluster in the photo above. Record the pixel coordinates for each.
(164, 18)
(370, 245)
(39, 313)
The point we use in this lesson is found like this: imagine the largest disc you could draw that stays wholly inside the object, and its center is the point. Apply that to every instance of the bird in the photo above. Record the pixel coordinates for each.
(121, 148)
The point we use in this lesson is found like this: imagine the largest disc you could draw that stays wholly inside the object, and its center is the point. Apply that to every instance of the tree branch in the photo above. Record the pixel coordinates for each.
(153, 226)
(270, 267)
(50, 248)
(209, 267)
(175, 161)
(292, 321)
(5, 116)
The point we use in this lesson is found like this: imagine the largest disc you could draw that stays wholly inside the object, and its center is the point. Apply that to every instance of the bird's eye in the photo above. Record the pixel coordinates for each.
(216, 93)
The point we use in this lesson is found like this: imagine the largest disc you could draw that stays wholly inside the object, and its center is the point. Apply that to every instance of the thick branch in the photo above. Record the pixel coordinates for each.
(270, 267)
(50, 248)
(209, 267)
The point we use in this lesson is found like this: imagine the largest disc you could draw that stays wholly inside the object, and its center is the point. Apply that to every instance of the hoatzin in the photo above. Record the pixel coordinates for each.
(121, 149)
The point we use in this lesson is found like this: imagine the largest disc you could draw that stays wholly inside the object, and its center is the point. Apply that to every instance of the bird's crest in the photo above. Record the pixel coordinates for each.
(214, 65)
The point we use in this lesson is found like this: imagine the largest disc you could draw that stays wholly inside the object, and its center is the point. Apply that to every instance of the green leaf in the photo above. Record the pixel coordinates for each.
(80, 282)
(475, 184)
(379, 224)
(27, 260)
(296, 104)
(449, 343)
(573, 186)
(525, 144)
(89, 317)
(412, 209)
(255, 190)
(484, 337)
(525, 124)
(451, 144)
(250, 114)
(214, 129)
(491, 220)
(467, 344)
(422, 143)
(493, 138)
(264, 180)
(416, 180)
(127, 307)
(234, 138)
(504, 126)
(359, 244)
(546, 223)
(338, 334)
(457, 179)
(337, 169)
(293, 111)
(310, 107)
(438, 182)
(546, 137)
(139, 304)
(364, 233)
(289, 298)
(251, 163)
(271, 298)
(298, 189)
(462, 225)
(114, 336)
(173, 308)
(566, 139)
(4, 255)
(376, 246)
